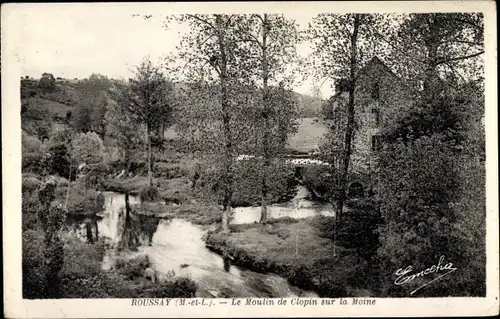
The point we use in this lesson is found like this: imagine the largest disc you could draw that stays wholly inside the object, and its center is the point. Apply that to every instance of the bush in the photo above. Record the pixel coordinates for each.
(319, 181)
(30, 184)
(149, 194)
(167, 170)
(82, 259)
(32, 162)
(96, 176)
(61, 135)
(30, 144)
(247, 183)
(112, 285)
(56, 161)
(87, 148)
(358, 229)
(176, 288)
(33, 265)
(133, 268)
(84, 201)
(30, 204)
(47, 83)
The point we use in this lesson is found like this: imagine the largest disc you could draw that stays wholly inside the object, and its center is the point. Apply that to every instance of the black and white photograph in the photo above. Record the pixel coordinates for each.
(177, 154)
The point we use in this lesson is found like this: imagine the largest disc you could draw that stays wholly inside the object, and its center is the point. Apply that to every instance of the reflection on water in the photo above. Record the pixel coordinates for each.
(177, 245)
(298, 207)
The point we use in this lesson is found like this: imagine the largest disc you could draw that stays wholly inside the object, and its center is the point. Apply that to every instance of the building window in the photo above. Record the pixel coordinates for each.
(376, 143)
(375, 91)
(376, 115)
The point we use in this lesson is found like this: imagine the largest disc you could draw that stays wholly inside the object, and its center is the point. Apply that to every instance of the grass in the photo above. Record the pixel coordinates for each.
(309, 134)
(294, 250)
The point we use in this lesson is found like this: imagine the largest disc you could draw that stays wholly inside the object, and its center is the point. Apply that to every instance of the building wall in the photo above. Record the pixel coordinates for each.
(390, 101)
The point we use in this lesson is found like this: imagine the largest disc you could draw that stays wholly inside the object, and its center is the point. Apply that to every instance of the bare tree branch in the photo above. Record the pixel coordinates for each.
(442, 60)
(461, 41)
(470, 23)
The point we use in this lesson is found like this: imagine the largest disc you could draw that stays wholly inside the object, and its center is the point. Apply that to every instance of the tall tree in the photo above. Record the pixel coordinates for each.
(211, 121)
(271, 39)
(51, 217)
(423, 47)
(122, 127)
(147, 98)
(435, 152)
(90, 112)
(338, 41)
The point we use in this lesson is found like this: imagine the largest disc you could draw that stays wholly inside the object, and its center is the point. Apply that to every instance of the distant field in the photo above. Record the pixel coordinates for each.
(307, 138)
(309, 134)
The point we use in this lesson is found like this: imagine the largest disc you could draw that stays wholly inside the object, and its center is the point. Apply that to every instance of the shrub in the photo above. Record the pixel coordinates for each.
(96, 176)
(112, 285)
(167, 170)
(247, 183)
(319, 181)
(358, 229)
(175, 288)
(62, 182)
(133, 268)
(56, 161)
(87, 148)
(47, 83)
(33, 265)
(61, 135)
(149, 194)
(30, 184)
(82, 259)
(85, 201)
(30, 144)
(32, 162)
(30, 204)
(30, 210)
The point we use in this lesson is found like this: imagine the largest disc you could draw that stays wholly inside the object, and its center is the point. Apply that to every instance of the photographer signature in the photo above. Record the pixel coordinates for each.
(404, 276)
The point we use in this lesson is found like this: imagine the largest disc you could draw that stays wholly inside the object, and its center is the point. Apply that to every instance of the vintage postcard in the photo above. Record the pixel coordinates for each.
(250, 159)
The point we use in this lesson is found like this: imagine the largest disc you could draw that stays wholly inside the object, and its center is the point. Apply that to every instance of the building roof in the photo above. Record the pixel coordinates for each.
(368, 65)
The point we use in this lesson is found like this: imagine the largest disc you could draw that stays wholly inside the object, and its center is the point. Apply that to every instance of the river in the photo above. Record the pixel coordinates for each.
(177, 245)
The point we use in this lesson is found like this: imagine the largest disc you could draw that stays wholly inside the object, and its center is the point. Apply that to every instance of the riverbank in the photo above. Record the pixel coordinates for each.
(297, 251)
(196, 213)
(176, 190)
(82, 274)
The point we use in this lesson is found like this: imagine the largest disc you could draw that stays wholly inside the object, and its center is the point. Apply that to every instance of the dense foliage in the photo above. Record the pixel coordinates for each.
(232, 111)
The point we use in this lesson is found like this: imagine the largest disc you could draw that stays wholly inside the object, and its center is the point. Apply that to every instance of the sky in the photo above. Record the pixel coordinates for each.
(75, 41)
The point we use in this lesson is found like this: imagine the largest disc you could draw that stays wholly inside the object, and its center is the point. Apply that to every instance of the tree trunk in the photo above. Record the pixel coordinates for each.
(162, 137)
(96, 227)
(431, 80)
(266, 113)
(350, 118)
(127, 162)
(148, 141)
(228, 158)
(88, 229)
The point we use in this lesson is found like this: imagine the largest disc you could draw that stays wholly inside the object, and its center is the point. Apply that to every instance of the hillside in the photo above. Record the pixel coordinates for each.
(64, 99)
(63, 93)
